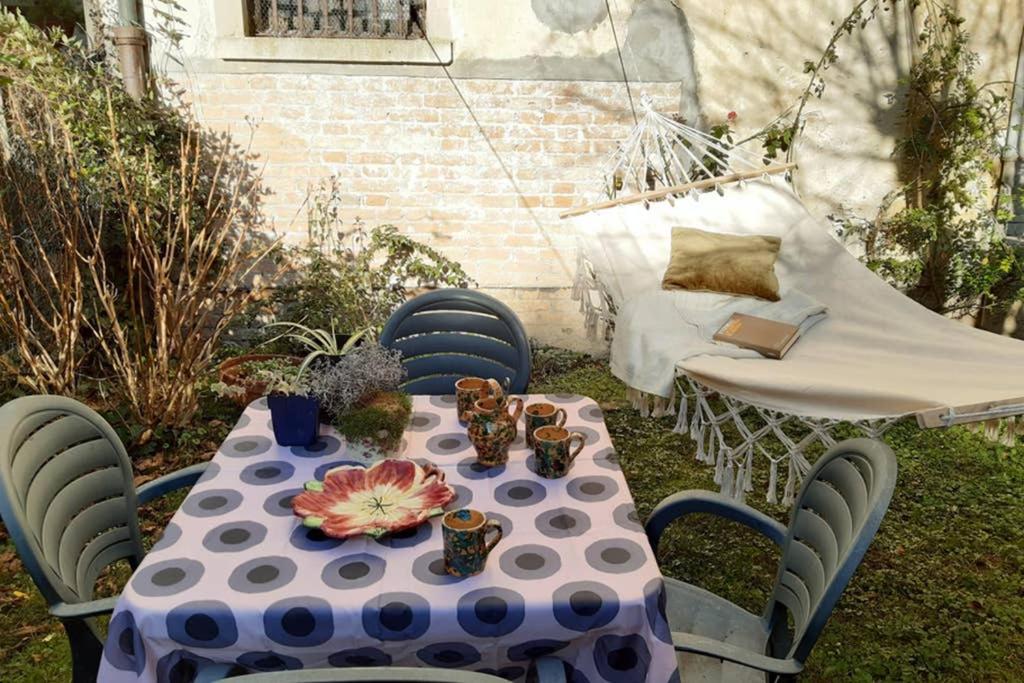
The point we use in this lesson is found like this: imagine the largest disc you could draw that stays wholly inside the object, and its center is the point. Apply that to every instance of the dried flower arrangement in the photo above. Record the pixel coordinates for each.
(359, 394)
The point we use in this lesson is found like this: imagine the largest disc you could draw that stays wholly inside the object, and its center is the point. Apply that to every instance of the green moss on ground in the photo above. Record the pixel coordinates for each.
(939, 595)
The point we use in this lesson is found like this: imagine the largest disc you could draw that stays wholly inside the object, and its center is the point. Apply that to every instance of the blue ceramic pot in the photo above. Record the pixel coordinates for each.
(296, 419)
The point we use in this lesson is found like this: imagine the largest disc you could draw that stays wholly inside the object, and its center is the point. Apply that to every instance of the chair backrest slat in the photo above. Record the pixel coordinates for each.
(458, 343)
(60, 471)
(815, 532)
(110, 546)
(827, 503)
(84, 527)
(67, 494)
(451, 333)
(836, 514)
(44, 443)
(427, 322)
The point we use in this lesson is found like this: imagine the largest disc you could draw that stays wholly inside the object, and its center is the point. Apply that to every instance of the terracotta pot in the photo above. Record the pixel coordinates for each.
(232, 373)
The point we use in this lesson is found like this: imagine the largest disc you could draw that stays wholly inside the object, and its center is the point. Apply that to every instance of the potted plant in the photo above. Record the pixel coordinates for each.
(294, 413)
(361, 397)
(242, 378)
(318, 343)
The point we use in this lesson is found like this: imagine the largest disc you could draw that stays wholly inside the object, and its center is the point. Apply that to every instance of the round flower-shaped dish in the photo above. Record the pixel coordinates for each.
(390, 495)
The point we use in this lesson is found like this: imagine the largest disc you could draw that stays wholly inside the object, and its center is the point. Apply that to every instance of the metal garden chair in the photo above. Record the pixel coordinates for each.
(452, 333)
(69, 503)
(835, 516)
(547, 670)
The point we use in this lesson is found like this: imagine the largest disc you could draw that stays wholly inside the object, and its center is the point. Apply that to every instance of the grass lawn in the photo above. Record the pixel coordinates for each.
(940, 594)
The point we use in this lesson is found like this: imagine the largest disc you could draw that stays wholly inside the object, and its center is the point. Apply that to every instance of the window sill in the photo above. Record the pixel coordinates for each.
(338, 50)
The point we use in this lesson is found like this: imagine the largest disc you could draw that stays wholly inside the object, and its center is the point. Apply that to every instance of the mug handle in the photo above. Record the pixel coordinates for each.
(560, 417)
(519, 408)
(493, 524)
(493, 389)
(583, 441)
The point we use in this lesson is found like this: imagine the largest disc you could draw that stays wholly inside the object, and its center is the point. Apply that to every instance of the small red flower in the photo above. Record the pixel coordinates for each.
(731, 116)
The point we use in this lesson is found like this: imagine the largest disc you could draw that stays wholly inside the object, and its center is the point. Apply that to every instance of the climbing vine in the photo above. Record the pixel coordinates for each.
(944, 243)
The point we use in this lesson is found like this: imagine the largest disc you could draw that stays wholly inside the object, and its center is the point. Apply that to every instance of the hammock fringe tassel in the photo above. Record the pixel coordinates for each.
(730, 435)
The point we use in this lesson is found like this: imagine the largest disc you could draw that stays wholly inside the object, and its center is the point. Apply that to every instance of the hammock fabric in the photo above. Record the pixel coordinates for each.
(877, 357)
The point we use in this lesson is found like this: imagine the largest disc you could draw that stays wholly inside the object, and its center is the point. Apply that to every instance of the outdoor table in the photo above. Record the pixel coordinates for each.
(237, 578)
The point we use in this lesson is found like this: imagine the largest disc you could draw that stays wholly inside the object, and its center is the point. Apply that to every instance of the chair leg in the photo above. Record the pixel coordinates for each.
(86, 651)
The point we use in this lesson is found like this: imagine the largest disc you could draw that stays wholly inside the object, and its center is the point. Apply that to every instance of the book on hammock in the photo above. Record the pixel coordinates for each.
(768, 337)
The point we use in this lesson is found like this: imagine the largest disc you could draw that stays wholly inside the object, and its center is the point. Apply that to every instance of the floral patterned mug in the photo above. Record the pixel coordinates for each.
(553, 451)
(541, 415)
(469, 390)
(465, 541)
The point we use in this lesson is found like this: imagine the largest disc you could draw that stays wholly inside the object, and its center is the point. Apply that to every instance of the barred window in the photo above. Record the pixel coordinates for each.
(395, 19)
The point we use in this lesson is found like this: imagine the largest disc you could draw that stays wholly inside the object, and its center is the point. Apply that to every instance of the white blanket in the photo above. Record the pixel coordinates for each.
(658, 329)
(876, 354)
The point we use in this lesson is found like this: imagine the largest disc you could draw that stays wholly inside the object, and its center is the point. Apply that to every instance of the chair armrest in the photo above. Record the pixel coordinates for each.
(187, 476)
(686, 642)
(690, 502)
(549, 670)
(210, 673)
(82, 610)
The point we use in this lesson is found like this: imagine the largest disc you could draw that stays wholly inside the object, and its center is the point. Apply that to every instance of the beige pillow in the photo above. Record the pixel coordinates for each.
(729, 264)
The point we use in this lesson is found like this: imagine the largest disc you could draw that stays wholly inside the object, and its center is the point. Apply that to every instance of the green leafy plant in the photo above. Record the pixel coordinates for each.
(945, 246)
(350, 278)
(287, 381)
(318, 343)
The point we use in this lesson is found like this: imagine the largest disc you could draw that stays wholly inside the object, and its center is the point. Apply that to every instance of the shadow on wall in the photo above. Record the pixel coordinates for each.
(656, 41)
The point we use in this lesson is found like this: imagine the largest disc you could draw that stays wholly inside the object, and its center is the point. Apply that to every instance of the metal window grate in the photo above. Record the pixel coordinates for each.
(395, 19)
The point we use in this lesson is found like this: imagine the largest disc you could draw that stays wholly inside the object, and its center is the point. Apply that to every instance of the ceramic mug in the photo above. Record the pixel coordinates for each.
(466, 546)
(541, 415)
(553, 450)
(469, 390)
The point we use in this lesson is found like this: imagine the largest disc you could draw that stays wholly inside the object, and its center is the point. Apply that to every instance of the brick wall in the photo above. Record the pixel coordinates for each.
(408, 153)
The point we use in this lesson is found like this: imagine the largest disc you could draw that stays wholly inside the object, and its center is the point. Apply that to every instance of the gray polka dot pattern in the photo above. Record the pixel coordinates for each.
(237, 578)
(171, 534)
(520, 493)
(211, 472)
(591, 434)
(608, 459)
(448, 444)
(429, 568)
(354, 571)
(470, 468)
(279, 503)
(246, 446)
(625, 516)
(423, 422)
(267, 473)
(592, 489)
(211, 502)
(321, 448)
(591, 413)
(530, 562)
(445, 401)
(616, 556)
(167, 577)
(563, 523)
(234, 537)
(262, 575)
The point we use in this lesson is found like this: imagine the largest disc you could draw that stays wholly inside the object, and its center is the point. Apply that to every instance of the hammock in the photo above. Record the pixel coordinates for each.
(876, 358)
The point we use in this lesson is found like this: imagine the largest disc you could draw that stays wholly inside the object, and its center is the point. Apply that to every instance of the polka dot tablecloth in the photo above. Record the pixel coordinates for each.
(236, 578)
